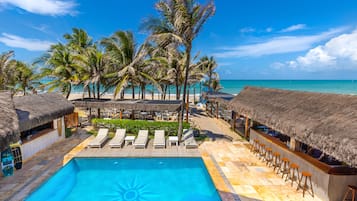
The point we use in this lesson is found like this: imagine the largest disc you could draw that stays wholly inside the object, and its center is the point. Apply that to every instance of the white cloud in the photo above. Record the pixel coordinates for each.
(43, 7)
(25, 43)
(42, 28)
(278, 45)
(339, 52)
(294, 28)
(247, 30)
(277, 65)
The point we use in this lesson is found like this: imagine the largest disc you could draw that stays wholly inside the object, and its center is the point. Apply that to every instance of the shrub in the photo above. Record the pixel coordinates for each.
(133, 126)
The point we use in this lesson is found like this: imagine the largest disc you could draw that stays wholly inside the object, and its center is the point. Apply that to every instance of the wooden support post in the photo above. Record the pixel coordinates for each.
(233, 123)
(217, 110)
(121, 114)
(132, 114)
(211, 109)
(246, 130)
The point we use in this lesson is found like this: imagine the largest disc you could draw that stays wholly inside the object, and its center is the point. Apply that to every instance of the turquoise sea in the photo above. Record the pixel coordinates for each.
(324, 86)
(235, 86)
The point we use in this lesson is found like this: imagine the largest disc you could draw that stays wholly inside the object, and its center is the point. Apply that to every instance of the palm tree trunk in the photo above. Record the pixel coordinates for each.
(98, 90)
(98, 94)
(187, 65)
(93, 89)
(133, 91)
(142, 91)
(169, 93)
(194, 93)
(69, 91)
(88, 88)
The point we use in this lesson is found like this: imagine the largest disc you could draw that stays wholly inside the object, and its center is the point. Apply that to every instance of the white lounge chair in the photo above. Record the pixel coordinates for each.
(142, 139)
(118, 139)
(101, 137)
(159, 139)
(189, 139)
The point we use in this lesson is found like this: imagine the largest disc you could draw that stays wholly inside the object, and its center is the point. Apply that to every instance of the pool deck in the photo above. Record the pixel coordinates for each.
(235, 171)
(130, 151)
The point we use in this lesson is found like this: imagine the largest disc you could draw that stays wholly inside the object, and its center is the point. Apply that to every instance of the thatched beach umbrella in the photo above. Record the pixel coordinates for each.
(9, 126)
(324, 121)
(137, 105)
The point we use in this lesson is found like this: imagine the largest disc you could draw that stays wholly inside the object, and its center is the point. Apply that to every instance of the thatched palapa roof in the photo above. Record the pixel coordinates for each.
(138, 105)
(325, 121)
(9, 125)
(35, 110)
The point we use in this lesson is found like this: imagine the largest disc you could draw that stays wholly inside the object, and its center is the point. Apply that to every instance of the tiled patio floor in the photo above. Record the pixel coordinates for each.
(248, 177)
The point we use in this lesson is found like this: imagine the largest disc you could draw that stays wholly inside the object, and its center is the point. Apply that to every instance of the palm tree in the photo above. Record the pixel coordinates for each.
(7, 70)
(25, 77)
(62, 67)
(128, 61)
(95, 65)
(79, 40)
(209, 65)
(181, 20)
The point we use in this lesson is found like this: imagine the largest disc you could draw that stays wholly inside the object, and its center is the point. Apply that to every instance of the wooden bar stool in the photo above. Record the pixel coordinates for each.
(293, 173)
(305, 187)
(284, 167)
(353, 190)
(276, 161)
(256, 146)
(262, 151)
(269, 156)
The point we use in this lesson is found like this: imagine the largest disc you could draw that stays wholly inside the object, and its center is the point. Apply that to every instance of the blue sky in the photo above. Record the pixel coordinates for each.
(275, 39)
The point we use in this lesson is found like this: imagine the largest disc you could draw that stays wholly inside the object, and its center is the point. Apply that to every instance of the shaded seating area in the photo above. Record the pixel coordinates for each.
(159, 110)
(308, 138)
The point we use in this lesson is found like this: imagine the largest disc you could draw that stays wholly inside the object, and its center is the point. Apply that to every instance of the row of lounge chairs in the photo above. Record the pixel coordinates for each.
(141, 140)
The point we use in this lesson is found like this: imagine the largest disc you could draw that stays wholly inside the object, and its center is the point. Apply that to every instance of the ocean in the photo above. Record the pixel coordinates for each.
(323, 86)
(235, 86)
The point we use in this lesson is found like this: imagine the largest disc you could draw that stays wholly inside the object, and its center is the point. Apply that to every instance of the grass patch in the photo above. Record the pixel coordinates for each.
(133, 126)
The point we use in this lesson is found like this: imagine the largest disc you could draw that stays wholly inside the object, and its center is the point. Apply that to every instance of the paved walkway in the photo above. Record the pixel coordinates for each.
(248, 177)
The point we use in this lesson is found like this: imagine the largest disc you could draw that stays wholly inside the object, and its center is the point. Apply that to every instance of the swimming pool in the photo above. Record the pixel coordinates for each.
(129, 179)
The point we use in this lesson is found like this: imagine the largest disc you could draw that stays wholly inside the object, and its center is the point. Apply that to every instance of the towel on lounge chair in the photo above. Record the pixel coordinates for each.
(142, 139)
(118, 139)
(100, 138)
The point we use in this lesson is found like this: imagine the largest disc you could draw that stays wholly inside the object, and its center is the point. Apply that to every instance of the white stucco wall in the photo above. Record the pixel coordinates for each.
(32, 147)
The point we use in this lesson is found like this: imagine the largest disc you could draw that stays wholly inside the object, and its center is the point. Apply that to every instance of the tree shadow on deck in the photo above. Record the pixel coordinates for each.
(216, 136)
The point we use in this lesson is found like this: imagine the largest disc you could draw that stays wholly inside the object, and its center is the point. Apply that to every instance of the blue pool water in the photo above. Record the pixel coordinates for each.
(129, 179)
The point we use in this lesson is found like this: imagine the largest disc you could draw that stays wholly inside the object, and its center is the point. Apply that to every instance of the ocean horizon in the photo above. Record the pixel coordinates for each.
(235, 86)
